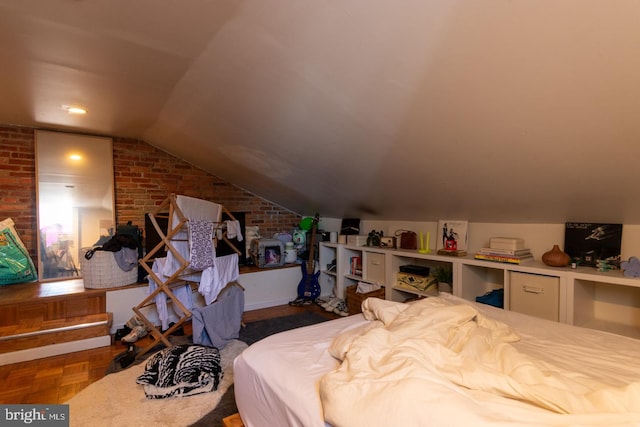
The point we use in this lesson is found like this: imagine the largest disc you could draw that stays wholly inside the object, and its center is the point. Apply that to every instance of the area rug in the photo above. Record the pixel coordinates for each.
(116, 399)
(255, 331)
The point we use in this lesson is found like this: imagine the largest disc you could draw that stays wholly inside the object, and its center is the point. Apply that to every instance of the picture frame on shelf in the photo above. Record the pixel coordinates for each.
(453, 235)
(589, 244)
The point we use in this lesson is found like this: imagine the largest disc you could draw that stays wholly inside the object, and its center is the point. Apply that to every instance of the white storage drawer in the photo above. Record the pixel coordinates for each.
(374, 267)
(534, 294)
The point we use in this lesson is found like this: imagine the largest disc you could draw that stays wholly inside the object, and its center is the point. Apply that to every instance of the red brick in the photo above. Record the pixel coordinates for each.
(144, 176)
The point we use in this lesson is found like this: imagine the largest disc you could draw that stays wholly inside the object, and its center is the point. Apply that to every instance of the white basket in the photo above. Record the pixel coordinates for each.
(102, 271)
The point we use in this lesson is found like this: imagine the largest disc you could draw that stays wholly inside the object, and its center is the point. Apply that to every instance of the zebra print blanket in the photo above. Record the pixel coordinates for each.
(182, 370)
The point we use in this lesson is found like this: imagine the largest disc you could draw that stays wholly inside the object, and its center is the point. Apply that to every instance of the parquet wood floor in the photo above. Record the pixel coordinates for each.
(56, 379)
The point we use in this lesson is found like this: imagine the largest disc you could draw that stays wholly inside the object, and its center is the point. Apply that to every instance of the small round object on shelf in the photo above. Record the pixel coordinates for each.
(556, 257)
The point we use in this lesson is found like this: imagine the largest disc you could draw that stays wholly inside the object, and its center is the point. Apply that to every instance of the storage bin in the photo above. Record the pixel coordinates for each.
(535, 294)
(354, 299)
(374, 267)
(102, 272)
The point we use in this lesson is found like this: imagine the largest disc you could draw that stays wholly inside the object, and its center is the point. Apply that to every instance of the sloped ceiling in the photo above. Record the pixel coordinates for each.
(491, 111)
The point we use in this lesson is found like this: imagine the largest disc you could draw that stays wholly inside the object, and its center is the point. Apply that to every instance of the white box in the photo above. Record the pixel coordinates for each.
(511, 243)
(357, 239)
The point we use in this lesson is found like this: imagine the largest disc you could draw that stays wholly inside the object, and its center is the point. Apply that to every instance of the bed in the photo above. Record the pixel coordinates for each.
(470, 364)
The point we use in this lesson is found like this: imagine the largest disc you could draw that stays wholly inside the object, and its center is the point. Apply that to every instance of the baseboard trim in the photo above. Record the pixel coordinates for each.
(275, 303)
(267, 304)
(54, 350)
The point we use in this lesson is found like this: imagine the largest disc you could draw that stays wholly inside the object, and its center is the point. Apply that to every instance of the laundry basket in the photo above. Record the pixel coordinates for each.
(354, 299)
(102, 272)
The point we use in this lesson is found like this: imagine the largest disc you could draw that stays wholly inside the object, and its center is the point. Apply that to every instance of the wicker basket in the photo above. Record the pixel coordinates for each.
(354, 299)
(102, 272)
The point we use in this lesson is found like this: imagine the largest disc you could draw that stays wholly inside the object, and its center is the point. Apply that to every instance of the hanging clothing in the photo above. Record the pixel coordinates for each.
(217, 324)
(183, 293)
(234, 230)
(214, 279)
(201, 250)
(192, 209)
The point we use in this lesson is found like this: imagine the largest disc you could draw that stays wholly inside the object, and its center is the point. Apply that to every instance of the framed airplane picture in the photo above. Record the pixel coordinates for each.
(588, 243)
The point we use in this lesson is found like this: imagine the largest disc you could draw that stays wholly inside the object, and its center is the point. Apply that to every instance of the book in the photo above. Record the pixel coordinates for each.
(513, 243)
(355, 266)
(453, 235)
(496, 251)
(510, 259)
(450, 252)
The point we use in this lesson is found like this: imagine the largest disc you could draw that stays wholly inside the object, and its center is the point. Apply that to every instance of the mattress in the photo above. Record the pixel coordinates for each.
(277, 379)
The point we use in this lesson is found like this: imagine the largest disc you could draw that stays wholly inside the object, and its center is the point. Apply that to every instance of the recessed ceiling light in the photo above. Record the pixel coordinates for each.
(74, 110)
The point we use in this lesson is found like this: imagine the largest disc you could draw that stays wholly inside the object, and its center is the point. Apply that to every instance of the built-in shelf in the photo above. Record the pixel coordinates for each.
(606, 301)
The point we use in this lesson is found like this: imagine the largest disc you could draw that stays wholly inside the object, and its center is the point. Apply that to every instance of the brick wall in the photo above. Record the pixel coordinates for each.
(144, 175)
(18, 182)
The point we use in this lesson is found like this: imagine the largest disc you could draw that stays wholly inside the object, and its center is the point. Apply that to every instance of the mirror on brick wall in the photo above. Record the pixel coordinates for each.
(75, 199)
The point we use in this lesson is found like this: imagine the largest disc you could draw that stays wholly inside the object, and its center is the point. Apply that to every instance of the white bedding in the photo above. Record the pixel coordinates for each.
(278, 379)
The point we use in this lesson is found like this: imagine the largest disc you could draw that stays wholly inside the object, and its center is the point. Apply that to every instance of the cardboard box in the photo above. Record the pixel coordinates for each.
(413, 282)
(357, 240)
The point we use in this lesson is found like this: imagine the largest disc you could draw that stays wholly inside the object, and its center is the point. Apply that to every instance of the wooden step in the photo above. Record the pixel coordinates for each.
(40, 302)
(30, 335)
(47, 319)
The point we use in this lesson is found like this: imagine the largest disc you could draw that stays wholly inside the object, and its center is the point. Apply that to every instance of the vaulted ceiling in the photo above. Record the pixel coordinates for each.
(492, 110)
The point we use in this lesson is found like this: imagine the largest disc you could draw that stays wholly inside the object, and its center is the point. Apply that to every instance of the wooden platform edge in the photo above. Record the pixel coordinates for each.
(232, 421)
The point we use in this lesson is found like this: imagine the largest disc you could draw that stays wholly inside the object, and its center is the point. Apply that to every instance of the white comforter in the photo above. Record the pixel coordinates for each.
(416, 363)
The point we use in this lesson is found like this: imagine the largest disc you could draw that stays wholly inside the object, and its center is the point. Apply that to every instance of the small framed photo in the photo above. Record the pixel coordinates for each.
(454, 235)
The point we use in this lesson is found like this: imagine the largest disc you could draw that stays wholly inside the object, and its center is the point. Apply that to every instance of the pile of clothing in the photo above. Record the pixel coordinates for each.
(182, 370)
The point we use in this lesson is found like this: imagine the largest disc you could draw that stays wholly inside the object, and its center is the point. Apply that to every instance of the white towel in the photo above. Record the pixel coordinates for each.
(234, 230)
(214, 279)
(365, 287)
(183, 293)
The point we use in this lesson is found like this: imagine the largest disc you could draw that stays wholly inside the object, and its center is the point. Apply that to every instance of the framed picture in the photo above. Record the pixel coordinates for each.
(587, 242)
(453, 235)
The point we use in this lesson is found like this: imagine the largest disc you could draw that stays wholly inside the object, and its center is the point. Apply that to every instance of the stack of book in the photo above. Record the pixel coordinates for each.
(452, 252)
(355, 266)
(511, 251)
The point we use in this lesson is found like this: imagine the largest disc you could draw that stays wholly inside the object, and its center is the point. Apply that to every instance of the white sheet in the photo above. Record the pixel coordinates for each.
(277, 379)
